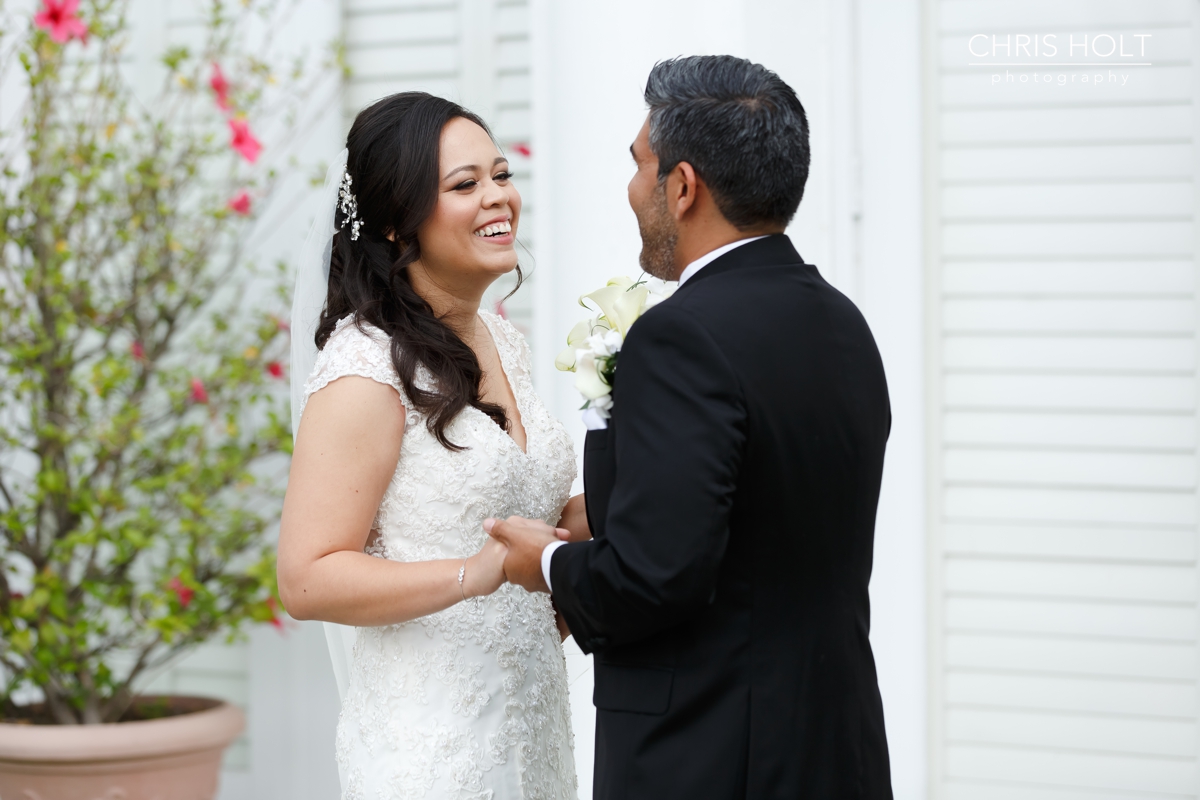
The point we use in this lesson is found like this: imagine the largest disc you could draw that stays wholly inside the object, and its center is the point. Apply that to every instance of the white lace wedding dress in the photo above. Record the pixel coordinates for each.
(469, 703)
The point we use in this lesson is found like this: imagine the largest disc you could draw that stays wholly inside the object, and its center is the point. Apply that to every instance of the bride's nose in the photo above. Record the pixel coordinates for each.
(493, 195)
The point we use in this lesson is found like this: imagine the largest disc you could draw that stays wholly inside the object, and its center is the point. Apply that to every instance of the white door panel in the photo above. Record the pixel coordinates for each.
(1062, 317)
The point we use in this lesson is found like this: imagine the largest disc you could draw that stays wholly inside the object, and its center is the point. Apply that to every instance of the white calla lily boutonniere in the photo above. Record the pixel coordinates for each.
(594, 343)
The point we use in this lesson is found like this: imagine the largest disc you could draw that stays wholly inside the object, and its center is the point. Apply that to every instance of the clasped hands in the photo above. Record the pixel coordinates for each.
(525, 539)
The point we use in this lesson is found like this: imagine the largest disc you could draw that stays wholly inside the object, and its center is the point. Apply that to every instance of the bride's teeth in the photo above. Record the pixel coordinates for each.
(492, 230)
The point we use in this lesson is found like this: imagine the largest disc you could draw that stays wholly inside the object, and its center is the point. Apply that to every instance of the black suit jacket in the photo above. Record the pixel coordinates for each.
(732, 500)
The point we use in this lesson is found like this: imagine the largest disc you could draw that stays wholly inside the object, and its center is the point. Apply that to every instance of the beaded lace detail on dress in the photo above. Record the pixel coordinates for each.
(469, 703)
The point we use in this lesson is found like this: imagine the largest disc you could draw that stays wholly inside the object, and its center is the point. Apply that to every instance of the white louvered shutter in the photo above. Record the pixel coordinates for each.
(1063, 411)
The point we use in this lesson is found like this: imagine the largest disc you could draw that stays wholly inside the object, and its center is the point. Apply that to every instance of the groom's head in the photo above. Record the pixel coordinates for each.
(723, 155)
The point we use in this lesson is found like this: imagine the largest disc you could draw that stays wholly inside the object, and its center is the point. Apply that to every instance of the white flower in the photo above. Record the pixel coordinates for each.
(656, 297)
(593, 344)
(587, 376)
(603, 343)
(565, 362)
(621, 306)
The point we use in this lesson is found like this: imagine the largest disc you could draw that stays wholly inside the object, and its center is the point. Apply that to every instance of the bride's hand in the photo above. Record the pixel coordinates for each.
(485, 570)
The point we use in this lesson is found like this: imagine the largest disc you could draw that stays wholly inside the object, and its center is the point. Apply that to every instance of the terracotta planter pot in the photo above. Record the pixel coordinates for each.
(174, 758)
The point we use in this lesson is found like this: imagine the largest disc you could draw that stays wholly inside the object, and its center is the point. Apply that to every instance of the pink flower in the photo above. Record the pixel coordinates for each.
(199, 393)
(240, 203)
(59, 17)
(276, 620)
(220, 87)
(182, 592)
(243, 140)
(137, 350)
(275, 369)
(500, 310)
(283, 326)
(523, 149)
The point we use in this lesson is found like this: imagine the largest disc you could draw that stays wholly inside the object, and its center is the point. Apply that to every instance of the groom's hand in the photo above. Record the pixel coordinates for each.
(526, 539)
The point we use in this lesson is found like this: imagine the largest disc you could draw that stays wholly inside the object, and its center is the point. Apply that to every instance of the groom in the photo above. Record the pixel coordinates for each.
(732, 496)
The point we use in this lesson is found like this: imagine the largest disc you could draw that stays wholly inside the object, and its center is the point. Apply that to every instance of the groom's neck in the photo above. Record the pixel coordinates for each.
(700, 236)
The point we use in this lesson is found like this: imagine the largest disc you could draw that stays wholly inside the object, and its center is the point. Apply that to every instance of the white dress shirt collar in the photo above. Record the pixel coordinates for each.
(711, 256)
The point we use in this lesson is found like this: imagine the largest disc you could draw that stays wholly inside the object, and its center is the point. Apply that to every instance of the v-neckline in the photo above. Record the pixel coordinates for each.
(512, 388)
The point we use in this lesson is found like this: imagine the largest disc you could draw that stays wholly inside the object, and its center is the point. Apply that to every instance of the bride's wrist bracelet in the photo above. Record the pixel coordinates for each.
(462, 573)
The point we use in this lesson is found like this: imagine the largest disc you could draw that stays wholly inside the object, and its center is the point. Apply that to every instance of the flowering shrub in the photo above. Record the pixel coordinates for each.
(142, 406)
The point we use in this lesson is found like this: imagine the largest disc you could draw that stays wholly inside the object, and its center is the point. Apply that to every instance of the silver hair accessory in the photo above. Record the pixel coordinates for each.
(348, 203)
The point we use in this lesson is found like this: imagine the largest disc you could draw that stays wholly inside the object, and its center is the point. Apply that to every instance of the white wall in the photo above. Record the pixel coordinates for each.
(859, 223)
(889, 99)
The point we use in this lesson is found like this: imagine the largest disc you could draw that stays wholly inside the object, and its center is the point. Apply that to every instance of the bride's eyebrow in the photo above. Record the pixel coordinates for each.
(451, 173)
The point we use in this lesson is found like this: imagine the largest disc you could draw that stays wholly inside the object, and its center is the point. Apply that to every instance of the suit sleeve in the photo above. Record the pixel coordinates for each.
(679, 419)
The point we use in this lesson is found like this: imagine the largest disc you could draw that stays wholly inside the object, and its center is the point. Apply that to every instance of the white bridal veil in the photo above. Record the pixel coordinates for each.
(312, 284)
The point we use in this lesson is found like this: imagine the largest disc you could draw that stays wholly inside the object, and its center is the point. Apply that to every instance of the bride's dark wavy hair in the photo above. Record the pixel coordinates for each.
(394, 148)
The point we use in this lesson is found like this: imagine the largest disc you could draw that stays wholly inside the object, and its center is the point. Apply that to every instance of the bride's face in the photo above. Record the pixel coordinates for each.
(471, 233)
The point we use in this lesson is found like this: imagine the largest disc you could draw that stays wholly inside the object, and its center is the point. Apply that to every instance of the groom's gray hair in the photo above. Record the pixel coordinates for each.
(740, 127)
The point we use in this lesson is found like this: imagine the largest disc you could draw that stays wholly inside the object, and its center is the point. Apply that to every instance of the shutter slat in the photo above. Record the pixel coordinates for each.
(1072, 694)
(1054, 579)
(1069, 14)
(1071, 656)
(1155, 737)
(1099, 619)
(1065, 768)
(1106, 507)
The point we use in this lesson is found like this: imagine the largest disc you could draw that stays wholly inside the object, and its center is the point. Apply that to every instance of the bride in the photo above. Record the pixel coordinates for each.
(418, 420)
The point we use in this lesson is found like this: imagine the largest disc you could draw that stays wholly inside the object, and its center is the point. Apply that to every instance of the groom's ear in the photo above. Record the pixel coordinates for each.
(682, 187)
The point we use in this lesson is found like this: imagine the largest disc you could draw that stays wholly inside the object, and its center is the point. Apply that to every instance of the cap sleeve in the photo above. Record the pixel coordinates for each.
(350, 350)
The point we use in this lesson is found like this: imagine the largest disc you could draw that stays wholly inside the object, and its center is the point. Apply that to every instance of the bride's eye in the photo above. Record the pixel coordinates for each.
(466, 185)
(502, 177)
